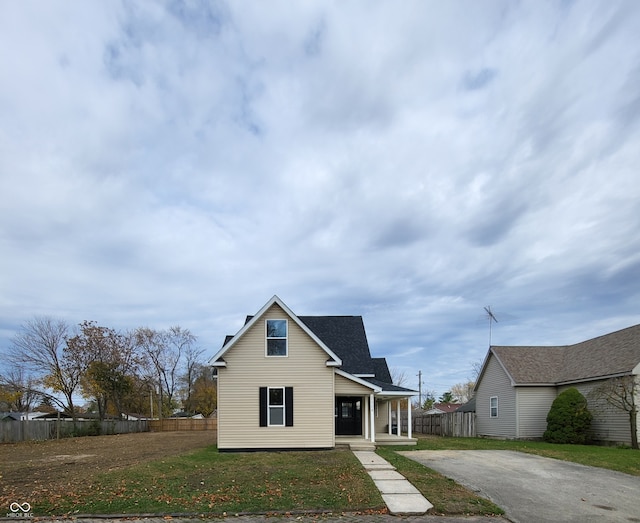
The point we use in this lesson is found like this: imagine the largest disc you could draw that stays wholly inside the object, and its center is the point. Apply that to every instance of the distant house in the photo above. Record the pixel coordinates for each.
(442, 408)
(517, 385)
(287, 381)
(21, 416)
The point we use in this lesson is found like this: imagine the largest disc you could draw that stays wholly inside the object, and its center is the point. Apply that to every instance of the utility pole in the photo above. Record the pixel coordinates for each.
(420, 388)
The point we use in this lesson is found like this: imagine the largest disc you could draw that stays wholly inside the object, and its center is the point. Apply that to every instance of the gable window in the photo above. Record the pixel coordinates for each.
(276, 406)
(276, 337)
(493, 406)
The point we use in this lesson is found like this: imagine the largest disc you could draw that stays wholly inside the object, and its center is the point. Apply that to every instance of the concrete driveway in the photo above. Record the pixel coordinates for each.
(534, 489)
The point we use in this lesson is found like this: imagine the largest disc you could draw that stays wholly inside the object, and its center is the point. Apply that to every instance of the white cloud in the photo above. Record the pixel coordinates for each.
(166, 163)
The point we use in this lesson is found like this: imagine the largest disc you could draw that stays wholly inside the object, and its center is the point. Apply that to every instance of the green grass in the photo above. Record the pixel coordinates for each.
(208, 482)
(622, 459)
(447, 497)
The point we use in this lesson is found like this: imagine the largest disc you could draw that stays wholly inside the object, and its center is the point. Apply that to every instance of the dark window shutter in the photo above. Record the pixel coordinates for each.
(288, 406)
(263, 406)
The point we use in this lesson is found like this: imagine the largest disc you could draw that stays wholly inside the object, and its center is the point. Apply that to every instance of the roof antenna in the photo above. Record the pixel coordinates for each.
(491, 317)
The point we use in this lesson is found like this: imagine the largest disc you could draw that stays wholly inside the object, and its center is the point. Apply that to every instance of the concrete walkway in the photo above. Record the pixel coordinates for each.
(400, 496)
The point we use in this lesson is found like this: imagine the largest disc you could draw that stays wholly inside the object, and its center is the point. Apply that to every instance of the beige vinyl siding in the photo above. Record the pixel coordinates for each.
(347, 387)
(533, 404)
(609, 424)
(495, 382)
(248, 369)
(382, 416)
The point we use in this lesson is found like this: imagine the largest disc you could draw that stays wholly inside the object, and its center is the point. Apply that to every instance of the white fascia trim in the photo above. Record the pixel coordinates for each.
(482, 369)
(359, 381)
(218, 363)
(258, 315)
(365, 375)
(397, 393)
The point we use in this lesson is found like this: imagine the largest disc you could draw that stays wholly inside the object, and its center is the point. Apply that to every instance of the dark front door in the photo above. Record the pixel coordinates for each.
(349, 416)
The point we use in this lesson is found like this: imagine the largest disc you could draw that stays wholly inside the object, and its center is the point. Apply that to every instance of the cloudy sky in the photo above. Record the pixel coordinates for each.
(179, 163)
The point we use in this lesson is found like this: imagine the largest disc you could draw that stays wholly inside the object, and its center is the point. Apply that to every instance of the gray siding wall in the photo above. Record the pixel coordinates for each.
(495, 382)
(609, 424)
(248, 369)
(533, 404)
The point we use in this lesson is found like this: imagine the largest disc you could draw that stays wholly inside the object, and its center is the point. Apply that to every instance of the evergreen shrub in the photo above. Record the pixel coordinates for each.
(569, 419)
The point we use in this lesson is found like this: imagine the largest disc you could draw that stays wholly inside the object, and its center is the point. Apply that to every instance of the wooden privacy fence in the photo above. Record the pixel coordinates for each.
(179, 424)
(455, 424)
(14, 431)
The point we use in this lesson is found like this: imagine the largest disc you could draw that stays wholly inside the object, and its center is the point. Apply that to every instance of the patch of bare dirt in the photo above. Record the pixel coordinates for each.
(40, 466)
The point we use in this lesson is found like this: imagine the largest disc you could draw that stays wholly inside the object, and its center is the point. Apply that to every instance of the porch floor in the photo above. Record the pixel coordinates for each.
(382, 439)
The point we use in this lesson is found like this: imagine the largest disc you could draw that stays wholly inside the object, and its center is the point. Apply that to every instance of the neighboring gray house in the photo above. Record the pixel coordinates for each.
(517, 385)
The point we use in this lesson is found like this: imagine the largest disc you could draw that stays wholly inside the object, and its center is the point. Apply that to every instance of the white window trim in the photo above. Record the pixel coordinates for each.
(269, 406)
(267, 338)
(491, 407)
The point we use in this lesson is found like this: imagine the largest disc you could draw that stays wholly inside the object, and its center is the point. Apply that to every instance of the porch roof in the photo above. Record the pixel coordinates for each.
(389, 389)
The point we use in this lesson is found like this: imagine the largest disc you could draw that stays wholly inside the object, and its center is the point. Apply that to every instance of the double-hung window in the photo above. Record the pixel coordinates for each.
(493, 406)
(276, 337)
(276, 406)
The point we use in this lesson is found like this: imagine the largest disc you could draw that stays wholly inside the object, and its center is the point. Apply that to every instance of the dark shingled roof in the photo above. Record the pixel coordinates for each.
(381, 370)
(469, 406)
(616, 353)
(346, 337)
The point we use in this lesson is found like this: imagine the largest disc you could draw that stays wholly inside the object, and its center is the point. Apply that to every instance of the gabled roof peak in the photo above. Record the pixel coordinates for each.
(216, 360)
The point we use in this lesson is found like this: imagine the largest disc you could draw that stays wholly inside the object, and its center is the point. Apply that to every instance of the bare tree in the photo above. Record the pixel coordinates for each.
(163, 351)
(204, 397)
(398, 377)
(622, 393)
(192, 370)
(476, 369)
(462, 392)
(18, 390)
(38, 348)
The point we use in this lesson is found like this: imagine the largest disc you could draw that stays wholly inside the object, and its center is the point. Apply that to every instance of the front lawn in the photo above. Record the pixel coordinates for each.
(208, 482)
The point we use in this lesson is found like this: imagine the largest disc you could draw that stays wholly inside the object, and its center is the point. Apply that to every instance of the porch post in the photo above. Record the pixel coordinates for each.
(398, 420)
(409, 417)
(389, 415)
(372, 420)
(366, 422)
